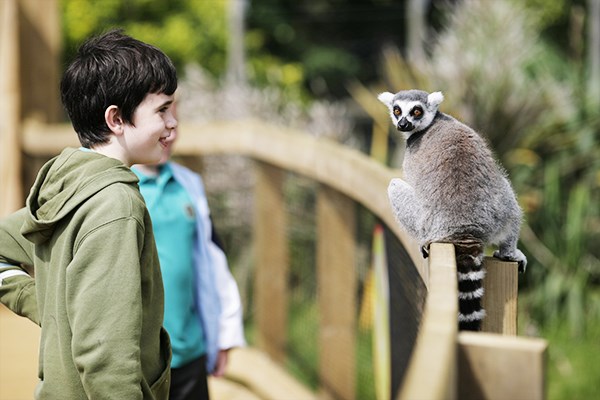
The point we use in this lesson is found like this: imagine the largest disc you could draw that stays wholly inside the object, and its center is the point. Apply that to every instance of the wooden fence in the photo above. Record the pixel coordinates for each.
(445, 364)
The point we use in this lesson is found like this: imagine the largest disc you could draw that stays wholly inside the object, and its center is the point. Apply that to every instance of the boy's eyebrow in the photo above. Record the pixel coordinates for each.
(165, 103)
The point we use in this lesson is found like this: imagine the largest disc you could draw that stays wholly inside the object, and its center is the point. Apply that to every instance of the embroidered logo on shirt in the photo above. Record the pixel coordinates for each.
(189, 210)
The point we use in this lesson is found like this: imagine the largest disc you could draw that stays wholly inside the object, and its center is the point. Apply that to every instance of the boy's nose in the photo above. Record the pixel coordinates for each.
(172, 122)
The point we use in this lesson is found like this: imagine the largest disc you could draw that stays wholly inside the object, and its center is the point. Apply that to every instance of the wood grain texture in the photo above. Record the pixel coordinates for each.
(500, 297)
(336, 293)
(499, 367)
(432, 371)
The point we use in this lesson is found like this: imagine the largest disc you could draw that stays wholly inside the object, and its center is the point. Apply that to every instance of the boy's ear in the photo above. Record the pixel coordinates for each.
(113, 119)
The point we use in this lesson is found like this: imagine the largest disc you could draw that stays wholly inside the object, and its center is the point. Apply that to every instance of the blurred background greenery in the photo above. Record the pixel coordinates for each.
(525, 73)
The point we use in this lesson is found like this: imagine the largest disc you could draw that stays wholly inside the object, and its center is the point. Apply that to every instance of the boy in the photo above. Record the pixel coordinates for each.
(203, 310)
(86, 234)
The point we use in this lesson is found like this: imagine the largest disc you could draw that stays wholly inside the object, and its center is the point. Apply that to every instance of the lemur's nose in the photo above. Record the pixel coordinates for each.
(404, 125)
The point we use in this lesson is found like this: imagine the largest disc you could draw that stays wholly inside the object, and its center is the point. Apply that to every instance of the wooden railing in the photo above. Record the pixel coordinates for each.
(442, 363)
(347, 171)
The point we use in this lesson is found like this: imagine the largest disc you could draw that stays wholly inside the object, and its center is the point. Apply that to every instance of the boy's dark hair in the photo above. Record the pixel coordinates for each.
(112, 69)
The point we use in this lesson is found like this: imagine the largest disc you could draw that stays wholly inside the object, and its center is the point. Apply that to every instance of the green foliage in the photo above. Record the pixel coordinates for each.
(563, 193)
(302, 347)
(335, 41)
(186, 30)
(189, 31)
(572, 367)
(486, 63)
(547, 12)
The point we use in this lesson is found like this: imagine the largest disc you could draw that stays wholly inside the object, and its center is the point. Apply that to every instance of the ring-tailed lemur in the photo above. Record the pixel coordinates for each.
(453, 191)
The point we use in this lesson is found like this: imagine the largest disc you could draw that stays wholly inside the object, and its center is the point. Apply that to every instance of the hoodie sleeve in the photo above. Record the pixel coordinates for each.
(104, 298)
(17, 286)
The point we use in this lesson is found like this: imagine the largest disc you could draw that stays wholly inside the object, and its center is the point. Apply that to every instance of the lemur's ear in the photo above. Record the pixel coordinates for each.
(386, 98)
(435, 98)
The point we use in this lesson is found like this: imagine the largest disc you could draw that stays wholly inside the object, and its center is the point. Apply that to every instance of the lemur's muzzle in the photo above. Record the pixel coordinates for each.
(404, 125)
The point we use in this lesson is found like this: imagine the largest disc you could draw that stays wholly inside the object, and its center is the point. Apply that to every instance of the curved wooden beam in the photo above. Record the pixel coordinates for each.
(341, 168)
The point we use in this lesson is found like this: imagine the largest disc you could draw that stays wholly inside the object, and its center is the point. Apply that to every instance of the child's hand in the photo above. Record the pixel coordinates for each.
(222, 359)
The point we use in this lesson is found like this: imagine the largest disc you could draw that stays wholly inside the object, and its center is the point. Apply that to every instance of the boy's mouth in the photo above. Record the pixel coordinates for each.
(163, 142)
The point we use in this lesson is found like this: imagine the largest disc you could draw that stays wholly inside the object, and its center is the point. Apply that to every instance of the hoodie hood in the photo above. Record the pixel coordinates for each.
(64, 183)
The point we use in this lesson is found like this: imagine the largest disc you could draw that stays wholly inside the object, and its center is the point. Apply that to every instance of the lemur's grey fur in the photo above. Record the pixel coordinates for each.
(453, 190)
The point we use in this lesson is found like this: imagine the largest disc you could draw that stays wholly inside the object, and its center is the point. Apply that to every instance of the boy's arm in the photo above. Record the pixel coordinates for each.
(17, 286)
(231, 326)
(104, 305)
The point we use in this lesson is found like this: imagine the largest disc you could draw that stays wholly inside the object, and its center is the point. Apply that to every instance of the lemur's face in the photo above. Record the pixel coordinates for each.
(407, 116)
(412, 110)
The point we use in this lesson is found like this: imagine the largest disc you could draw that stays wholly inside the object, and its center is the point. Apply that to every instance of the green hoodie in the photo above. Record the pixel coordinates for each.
(97, 294)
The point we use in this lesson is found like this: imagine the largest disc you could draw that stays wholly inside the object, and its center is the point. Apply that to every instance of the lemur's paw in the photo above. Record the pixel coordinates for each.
(425, 251)
(517, 257)
(396, 188)
(397, 194)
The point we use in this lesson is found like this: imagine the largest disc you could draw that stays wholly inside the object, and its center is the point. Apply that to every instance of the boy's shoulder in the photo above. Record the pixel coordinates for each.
(110, 207)
(119, 198)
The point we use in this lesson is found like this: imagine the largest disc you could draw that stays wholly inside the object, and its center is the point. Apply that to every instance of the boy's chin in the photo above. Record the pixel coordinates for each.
(150, 161)
(166, 154)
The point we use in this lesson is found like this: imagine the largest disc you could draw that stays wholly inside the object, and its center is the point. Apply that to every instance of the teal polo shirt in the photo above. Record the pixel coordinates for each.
(174, 224)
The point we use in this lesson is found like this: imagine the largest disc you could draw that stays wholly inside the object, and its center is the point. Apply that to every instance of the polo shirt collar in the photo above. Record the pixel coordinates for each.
(165, 173)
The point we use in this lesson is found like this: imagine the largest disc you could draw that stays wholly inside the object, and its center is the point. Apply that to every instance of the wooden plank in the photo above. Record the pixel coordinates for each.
(19, 347)
(497, 367)
(10, 109)
(262, 376)
(432, 371)
(223, 388)
(40, 49)
(272, 261)
(341, 168)
(501, 285)
(336, 293)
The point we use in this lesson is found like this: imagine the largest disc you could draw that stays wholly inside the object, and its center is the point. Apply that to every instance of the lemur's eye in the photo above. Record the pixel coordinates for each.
(397, 111)
(417, 112)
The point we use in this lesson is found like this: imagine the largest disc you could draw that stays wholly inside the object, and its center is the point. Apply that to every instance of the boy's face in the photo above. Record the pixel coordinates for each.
(153, 123)
(170, 141)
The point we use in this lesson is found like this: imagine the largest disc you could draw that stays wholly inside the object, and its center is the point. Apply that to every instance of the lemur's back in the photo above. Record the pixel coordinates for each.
(455, 175)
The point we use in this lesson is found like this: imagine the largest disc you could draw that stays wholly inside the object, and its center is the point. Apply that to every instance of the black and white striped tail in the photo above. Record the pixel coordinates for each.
(470, 271)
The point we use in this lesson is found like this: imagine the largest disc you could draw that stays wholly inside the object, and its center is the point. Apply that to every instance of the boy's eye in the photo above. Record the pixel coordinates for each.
(397, 111)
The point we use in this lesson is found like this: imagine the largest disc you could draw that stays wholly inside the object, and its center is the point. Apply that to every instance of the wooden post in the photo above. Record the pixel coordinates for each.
(336, 292)
(500, 297)
(40, 44)
(432, 372)
(497, 367)
(271, 261)
(10, 109)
